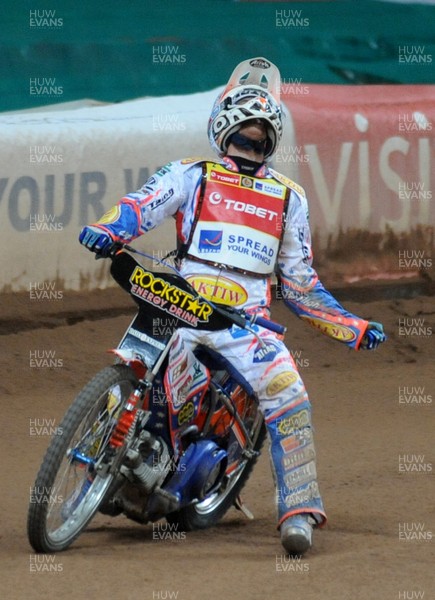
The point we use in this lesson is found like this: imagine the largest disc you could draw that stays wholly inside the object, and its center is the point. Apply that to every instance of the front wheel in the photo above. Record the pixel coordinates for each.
(68, 490)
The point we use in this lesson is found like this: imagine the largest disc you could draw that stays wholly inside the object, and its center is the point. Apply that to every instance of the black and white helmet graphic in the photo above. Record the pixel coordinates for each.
(253, 92)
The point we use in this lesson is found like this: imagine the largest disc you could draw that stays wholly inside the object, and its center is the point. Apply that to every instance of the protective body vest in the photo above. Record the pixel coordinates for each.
(239, 221)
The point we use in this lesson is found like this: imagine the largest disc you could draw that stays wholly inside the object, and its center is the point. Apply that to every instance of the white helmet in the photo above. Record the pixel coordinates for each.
(252, 92)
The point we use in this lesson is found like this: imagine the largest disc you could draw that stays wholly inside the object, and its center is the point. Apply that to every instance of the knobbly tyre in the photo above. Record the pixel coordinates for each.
(138, 442)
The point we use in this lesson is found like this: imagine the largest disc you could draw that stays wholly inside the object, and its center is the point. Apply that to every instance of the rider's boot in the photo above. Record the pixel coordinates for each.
(297, 534)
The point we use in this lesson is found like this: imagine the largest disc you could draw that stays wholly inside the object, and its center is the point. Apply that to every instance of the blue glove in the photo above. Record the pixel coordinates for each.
(373, 336)
(96, 240)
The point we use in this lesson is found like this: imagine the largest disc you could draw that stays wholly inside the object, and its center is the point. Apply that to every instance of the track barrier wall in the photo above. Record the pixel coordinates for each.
(364, 155)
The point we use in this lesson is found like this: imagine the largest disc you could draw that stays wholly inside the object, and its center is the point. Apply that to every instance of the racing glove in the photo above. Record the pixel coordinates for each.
(95, 239)
(373, 336)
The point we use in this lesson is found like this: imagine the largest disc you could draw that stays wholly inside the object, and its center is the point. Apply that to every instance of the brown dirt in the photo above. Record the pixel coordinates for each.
(361, 429)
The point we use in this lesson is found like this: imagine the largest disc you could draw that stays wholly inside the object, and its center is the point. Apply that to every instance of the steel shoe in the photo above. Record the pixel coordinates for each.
(297, 534)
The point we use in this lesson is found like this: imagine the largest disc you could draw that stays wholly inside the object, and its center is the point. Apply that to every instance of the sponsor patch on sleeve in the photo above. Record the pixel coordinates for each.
(110, 216)
(334, 330)
(287, 182)
(192, 159)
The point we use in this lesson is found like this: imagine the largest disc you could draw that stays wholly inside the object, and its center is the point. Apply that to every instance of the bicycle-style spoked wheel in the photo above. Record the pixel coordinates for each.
(68, 489)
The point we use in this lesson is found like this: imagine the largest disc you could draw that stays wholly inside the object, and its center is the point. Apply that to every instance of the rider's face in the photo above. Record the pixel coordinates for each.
(255, 130)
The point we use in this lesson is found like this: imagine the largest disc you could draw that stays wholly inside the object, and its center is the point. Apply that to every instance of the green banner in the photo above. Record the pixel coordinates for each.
(61, 51)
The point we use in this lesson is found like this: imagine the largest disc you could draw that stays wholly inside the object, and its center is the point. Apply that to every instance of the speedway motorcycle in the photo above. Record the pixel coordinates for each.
(149, 441)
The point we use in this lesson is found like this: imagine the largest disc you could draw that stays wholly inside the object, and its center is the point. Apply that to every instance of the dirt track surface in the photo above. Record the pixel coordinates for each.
(363, 424)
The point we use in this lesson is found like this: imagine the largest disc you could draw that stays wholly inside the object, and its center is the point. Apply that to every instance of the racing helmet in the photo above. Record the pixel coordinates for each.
(252, 92)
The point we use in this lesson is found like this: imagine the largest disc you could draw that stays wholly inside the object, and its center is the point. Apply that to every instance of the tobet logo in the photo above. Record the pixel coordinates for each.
(239, 206)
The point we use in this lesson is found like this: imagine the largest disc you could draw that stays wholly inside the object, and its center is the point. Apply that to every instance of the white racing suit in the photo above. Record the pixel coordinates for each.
(234, 230)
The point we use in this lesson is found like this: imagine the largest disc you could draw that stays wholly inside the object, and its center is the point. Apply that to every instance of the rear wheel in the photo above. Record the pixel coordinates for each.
(211, 509)
(68, 490)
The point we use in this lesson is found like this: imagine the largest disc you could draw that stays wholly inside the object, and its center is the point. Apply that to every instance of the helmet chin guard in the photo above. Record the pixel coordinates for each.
(252, 92)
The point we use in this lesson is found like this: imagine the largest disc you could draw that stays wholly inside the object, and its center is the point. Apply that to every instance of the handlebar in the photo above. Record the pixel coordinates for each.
(240, 318)
(272, 325)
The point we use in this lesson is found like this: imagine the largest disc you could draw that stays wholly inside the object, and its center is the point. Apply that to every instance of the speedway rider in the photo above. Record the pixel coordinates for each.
(238, 220)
